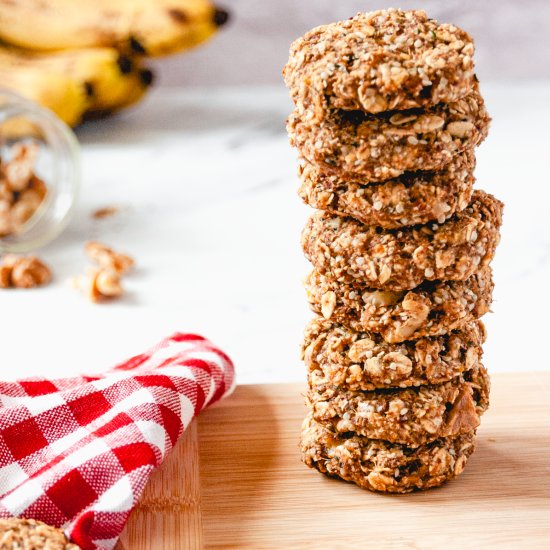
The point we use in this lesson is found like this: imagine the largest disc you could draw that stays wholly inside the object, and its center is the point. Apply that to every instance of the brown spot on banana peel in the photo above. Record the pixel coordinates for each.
(89, 89)
(98, 114)
(220, 17)
(147, 77)
(136, 46)
(125, 64)
(179, 16)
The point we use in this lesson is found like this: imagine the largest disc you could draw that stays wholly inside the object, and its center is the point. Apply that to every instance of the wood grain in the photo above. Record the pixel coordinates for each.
(236, 481)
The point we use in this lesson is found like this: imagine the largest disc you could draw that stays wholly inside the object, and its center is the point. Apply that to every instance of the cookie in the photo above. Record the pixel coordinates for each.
(19, 533)
(379, 61)
(411, 416)
(347, 251)
(353, 144)
(381, 466)
(412, 198)
(431, 309)
(337, 357)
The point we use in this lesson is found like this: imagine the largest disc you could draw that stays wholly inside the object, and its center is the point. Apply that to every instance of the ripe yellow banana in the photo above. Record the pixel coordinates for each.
(56, 92)
(104, 79)
(150, 27)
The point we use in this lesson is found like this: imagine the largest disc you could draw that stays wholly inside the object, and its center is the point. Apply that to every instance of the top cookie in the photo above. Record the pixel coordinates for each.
(379, 61)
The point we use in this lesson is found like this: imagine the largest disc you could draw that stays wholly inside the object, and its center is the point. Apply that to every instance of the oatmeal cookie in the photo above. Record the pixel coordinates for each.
(347, 251)
(379, 61)
(411, 416)
(431, 309)
(22, 533)
(412, 198)
(353, 144)
(337, 357)
(381, 466)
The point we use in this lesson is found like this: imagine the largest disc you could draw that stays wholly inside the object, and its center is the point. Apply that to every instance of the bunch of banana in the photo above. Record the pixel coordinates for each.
(85, 59)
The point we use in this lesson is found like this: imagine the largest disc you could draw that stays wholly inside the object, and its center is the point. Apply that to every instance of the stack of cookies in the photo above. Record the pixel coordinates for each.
(387, 116)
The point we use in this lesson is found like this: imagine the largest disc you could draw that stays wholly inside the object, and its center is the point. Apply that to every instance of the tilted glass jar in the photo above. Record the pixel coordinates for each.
(57, 165)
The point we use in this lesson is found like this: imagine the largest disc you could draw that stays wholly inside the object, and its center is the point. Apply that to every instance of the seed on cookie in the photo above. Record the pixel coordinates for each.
(379, 61)
(411, 416)
(353, 144)
(431, 309)
(339, 357)
(381, 466)
(348, 251)
(411, 199)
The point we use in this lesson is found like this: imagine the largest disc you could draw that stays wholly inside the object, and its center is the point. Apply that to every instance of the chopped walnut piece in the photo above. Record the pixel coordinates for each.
(463, 416)
(23, 272)
(107, 258)
(18, 171)
(100, 284)
(103, 282)
(460, 128)
(21, 191)
(5, 276)
(328, 301)
(105, 212)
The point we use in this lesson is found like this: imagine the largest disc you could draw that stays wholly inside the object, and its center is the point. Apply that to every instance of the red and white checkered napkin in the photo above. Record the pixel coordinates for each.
(78, 452)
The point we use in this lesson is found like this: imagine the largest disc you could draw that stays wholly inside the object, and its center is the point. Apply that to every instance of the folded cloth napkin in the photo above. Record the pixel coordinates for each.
(77, 452)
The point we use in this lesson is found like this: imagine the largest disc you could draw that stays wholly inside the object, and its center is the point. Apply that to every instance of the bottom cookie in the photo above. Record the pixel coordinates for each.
(381, 466)
(23, 533)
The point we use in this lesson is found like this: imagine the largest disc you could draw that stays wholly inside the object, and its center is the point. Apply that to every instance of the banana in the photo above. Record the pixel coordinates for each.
(148, 27)
(75, 82)
(56, 92)
(105, 76)
(142, 79)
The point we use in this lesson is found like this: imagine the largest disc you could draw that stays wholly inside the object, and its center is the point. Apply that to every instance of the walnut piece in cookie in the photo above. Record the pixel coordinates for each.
(353, 145)
(382, 466)
(348, 251)
(20, 533)
(411, 199)
(431, 309)
(106, 258)
(23, 272)
(380, 61)
(411, 416)
(338, 357)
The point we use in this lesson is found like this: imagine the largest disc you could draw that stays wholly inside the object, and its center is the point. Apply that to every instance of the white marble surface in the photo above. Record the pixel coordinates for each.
(207, 184)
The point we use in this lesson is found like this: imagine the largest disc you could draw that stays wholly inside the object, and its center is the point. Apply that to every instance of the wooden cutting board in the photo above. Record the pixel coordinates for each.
(236, 481)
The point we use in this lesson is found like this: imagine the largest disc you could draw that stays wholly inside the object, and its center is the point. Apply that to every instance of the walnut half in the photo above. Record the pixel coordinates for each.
(23, 272)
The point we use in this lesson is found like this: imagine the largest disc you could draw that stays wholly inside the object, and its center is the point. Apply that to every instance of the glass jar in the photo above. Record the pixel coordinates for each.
(57, 165)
